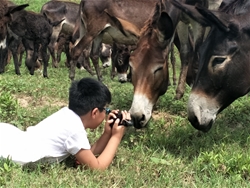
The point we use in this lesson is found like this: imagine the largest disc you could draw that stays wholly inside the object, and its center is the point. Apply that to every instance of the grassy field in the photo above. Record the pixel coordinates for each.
(168, 153)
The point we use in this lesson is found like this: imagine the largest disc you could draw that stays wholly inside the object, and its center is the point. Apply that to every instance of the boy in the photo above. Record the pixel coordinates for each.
(63, 133)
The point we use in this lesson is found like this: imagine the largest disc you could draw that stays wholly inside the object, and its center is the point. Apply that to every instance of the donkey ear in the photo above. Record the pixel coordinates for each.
(13, 9)
(192, 12)
(204, 16)
(165, 25)
(215, 18)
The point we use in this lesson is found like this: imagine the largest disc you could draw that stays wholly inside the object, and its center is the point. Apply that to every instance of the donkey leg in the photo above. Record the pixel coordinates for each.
(34, 58)
(15, 59)
(185, 55)
(86, 61)
(21, 51)
(94, 55)
(13, 46)
(76, 52)
(53, 56)
(45, 58)
(173, 61)
(30, 53)
(95, 61)
(3, 59)
(113, 72)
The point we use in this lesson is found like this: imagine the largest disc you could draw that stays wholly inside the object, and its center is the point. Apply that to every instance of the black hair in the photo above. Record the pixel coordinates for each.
(87, 94)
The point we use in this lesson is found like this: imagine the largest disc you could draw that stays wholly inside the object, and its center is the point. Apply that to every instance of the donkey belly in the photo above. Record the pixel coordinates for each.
(114, 35)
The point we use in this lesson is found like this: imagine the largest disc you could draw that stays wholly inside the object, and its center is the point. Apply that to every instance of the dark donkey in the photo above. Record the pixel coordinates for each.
(191, 35)
(35, 32)
(64, 12)
(120, 61)
(224, 67)
(67, 14)
(6, 9)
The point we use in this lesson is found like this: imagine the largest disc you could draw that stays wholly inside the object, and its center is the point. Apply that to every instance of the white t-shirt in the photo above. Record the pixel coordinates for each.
(51, 140)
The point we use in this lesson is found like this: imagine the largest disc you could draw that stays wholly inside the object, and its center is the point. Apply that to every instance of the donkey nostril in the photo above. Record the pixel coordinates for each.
(142, 120)
(194, 121)
(122, 81)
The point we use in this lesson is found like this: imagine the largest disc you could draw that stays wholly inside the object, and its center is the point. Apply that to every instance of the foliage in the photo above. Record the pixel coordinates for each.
(8, 106)
(168, 153)
(6, 169)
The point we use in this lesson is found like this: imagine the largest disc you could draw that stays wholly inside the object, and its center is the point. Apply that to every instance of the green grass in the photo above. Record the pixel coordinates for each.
(168, 153)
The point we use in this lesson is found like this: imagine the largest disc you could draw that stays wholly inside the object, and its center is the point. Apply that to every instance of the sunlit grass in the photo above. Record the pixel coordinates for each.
(168, 153)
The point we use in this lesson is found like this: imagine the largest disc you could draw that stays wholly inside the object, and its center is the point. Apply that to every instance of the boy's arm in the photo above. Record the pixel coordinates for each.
(87, 157)
(100, 144)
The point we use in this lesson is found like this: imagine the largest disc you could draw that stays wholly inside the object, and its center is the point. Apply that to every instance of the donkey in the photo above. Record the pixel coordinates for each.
(65, 13)
(7, 9)
(224, 68)
(149, 67)
(35, 32)
(151, 81)
(108, 21)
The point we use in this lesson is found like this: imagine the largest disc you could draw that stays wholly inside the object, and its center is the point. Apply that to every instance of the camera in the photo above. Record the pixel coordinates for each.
(125, 122)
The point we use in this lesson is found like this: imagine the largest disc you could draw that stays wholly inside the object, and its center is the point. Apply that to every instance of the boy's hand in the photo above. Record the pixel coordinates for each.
(117, 129)
(126, 116)
(110, 119)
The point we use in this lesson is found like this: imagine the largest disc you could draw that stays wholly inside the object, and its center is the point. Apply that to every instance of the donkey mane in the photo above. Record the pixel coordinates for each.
(149, 24)
(234, 6)
(147, 29)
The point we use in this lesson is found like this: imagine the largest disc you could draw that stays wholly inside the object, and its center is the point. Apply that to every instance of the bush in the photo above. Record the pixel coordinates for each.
(8, 107)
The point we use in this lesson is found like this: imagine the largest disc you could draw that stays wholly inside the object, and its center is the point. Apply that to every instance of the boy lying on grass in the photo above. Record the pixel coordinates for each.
(64, 133)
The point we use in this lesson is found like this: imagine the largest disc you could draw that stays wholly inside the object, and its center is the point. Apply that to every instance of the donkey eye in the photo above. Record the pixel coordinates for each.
(158, 69)
(218, 60)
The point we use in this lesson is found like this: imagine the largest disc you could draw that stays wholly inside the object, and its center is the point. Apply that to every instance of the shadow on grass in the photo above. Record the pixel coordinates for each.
(179, 138)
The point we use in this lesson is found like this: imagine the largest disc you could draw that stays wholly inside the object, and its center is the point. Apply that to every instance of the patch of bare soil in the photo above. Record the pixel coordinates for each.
(26, 101)
(156, 115)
